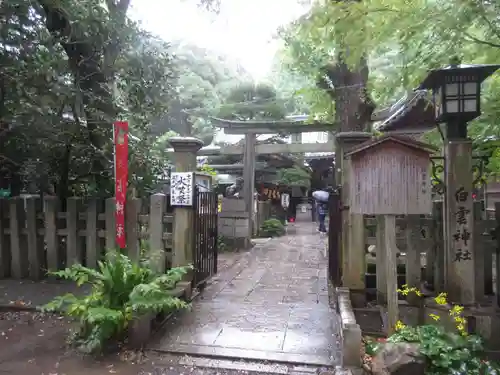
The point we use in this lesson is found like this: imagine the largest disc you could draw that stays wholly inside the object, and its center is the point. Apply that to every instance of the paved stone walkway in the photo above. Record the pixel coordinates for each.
(271, 305)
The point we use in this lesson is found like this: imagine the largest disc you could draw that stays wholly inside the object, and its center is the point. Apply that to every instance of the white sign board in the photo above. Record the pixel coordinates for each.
(181, 189)
(285, 200)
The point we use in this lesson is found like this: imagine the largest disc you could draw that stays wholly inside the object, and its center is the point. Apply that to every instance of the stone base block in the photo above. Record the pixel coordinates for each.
(350, 331)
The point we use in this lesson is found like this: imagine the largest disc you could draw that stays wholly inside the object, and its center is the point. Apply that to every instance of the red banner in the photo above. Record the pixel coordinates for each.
(121, 179)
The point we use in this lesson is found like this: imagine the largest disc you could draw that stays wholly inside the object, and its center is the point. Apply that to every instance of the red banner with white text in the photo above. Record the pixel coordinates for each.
(121, 179)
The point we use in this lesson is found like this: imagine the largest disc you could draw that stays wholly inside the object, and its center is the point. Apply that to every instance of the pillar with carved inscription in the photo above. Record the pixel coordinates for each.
(353, 229)
(185, 149)
(462, 283)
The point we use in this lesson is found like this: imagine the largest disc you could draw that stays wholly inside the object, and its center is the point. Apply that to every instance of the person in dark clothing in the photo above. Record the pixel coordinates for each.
(322, 211)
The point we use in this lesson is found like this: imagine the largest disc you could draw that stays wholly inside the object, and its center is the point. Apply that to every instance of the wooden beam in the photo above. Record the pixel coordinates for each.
(283, 128)
(263, 149)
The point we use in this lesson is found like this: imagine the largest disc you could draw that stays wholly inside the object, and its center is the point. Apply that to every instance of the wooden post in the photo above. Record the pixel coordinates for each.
(380, 259)
(497, 262)
(73, 243)
(92, 243)
(110, 225)
(132, 210)
(483, 254)
(156, 225)
(352, 236)
(51, 204)
(18, 247)
(460, 253)
(185, 149)
(5, 257)
(35, 243)
(391, 272)
(249, 178)
(413, 266)
(430, 253)
(439, 250)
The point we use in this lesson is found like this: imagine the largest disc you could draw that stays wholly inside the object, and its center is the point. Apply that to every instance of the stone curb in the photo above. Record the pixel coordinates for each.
(350, 331)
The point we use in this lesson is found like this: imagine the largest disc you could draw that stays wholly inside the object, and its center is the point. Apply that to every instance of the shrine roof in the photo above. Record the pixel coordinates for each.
(412, 114)
(399, 139)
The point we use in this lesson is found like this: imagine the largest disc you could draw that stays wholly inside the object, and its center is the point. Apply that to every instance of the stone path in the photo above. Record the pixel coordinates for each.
(271, 305)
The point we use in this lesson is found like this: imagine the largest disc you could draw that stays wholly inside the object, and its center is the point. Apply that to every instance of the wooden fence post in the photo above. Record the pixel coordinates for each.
(35, 243)
(497, 262)
(439, 268)
(5, 257)
(132, 210)
(156, 226)
(430, 256)
(380, 260)
(18, 246)
(73, 243)
(110, 224)
(391, 272)
(92, 243)
(413, 267)
(51, 205)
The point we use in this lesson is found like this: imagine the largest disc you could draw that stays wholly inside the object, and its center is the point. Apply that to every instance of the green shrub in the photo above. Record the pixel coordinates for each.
(445, 352)
(122, 290)
(272, 228)
(222, 244)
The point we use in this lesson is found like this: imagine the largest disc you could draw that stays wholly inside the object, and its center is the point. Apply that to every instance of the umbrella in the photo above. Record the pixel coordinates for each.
(321, 196)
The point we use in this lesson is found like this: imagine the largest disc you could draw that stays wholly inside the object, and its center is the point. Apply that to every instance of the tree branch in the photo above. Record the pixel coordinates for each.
(480, 41)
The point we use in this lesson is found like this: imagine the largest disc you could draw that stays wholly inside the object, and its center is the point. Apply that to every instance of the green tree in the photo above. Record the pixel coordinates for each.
(252, 102)
(205, 77)
(403, 40)
(61, 90)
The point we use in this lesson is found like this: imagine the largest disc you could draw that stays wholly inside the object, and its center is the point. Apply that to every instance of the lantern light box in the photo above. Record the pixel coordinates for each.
(390, 176)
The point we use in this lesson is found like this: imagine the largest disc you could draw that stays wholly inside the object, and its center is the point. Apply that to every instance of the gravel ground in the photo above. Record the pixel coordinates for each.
(35, 343)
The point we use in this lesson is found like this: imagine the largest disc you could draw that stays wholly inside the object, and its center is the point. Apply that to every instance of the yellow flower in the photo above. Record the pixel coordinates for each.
(435, 317)
(456, 310)
(441, 299)
(399, 325)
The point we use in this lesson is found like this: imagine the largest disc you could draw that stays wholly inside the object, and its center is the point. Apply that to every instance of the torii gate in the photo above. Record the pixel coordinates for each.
(250, 129)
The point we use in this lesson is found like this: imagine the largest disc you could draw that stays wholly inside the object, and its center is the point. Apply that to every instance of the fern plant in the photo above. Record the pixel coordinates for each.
(121, 290)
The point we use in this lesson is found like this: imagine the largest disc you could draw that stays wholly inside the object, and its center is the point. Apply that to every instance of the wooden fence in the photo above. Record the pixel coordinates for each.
(35, 236)
(429, 245)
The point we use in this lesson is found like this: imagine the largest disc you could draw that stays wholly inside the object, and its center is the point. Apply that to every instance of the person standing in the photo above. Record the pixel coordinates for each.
(322, 211)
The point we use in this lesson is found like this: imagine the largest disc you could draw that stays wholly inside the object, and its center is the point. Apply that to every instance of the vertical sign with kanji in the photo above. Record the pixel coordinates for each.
(121, 179)
(181, 188)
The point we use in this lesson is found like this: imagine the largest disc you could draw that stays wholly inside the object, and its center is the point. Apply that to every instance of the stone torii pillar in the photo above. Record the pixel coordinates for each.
(249, 178)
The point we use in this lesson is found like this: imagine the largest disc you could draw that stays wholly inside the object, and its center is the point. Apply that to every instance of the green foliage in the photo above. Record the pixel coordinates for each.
(122, 290)
(447, 352)
(294, 177)
(205, 168)
(402, 40)
(272, 228)
(250, 101)
(223, 244)
(70, 69)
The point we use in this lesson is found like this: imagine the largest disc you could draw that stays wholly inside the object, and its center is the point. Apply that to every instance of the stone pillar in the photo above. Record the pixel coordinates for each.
(185, 149)
(353, 229)
(297, 138)
(460, 255)
(249, 178)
